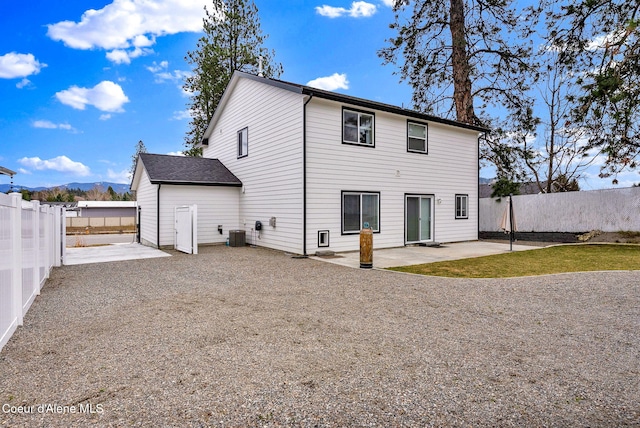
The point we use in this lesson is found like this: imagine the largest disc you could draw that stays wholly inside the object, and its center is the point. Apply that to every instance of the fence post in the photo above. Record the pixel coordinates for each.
(47, 242)
(63, 235)
(36, 246)
(57, 235)
(16, 276)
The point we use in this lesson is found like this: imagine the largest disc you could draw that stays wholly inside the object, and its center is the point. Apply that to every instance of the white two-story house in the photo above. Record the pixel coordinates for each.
(314, 166)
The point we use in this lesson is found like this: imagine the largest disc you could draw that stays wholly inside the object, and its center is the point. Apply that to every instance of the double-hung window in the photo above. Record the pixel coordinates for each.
(358, 128)
(462, 206)
(243, 142)
(359, 208)
(417, 137)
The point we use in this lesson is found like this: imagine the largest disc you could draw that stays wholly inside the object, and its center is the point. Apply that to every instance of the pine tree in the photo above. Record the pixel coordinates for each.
(140, 148)
(464, 57)
(232, 40)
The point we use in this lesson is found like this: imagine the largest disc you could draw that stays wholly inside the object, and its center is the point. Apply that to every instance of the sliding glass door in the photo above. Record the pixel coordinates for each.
(419, 218)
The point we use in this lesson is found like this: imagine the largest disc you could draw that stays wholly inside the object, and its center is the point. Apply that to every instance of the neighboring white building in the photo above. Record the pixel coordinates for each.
(106, 208)
(315, 165)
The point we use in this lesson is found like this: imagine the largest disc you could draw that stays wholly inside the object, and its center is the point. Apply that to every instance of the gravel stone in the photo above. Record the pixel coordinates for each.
(236, 337)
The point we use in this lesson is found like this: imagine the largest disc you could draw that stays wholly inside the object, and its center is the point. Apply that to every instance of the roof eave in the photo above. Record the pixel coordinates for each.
(374, 105)
(197, 183)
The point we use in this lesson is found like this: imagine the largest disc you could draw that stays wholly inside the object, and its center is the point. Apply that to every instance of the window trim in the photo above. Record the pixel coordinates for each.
(359, 193)
(464, 214)
(246, 132)
(426, 137)
(373, 127)
(433, 198)
(326, 233)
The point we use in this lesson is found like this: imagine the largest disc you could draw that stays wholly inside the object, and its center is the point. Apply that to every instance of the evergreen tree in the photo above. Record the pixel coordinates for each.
(232, 40)
(463, 57)
(140, 148)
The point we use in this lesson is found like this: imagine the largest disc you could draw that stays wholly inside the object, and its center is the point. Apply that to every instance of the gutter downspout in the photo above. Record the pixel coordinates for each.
(158, 217)
(304, 176)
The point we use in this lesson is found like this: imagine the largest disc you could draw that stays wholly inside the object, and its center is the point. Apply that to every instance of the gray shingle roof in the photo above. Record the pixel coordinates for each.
(187, 170)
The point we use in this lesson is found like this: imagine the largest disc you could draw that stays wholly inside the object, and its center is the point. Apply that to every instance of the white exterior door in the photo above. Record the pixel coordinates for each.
(186, 229)
(418, 219)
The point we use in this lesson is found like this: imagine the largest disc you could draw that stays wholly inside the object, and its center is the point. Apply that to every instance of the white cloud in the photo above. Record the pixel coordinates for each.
(24, 171)
(604, 40)
(60, 163)
(47, 124)
(181, 115)
(176, 153)
(155, 68)
(330, 11)
(359, 9)
(388, 2)
(24, 82)
(330, 83)
(105, 116)
(105, 96)
(119, 176)
(120, 56)
(14, 65)
(126, 24)
(44, 124)
(162, 73)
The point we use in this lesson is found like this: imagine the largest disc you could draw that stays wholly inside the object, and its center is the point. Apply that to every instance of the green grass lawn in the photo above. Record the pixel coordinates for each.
(565, 258)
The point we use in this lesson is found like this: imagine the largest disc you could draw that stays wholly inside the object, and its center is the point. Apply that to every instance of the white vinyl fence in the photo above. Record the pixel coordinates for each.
(31, 243)
(610, 210)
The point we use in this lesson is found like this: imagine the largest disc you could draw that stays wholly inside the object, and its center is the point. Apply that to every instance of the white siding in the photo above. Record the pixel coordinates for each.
(217, 205)
(272, 172)
(147, 202)
(450, 168)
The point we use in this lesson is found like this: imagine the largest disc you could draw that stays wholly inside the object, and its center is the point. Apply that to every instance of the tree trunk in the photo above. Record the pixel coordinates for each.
(462, 97)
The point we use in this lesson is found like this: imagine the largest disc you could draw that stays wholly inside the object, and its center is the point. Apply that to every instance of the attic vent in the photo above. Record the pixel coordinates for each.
(205, 141)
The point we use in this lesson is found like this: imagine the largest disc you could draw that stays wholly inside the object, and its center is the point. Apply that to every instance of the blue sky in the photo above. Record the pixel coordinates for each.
(81, 82)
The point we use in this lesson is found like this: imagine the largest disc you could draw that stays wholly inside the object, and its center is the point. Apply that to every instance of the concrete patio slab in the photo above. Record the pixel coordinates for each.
(413, 255)
(111, 253)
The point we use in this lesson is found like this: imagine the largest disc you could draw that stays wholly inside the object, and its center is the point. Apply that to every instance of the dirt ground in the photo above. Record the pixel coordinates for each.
(545, 239)
(617, 237)
(237, 337)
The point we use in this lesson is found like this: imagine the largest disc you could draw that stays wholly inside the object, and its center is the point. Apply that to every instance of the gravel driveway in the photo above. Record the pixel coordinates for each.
(252, 337)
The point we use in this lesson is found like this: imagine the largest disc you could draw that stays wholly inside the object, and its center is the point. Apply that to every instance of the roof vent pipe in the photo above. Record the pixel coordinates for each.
(260, 71)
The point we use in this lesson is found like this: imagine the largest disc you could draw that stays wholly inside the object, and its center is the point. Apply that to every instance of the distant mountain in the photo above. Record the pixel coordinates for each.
(117, 187)
(482, 181)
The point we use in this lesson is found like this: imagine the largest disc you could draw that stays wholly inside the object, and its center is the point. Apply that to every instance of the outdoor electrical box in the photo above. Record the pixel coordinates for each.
(258, 225)
(237, 238)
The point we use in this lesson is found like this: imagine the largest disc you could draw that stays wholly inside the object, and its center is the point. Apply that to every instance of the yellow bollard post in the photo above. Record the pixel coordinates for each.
(366, 247)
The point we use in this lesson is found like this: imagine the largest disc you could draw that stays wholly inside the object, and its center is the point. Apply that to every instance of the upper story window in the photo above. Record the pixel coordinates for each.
(243, 142)
(462, 206)
(358, 128)
(417, 137)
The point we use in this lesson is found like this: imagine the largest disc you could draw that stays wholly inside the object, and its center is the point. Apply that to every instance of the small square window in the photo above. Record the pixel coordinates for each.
(358, 128)
(417, 137)
(323, 238)
(462, 206)
(243, 142)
